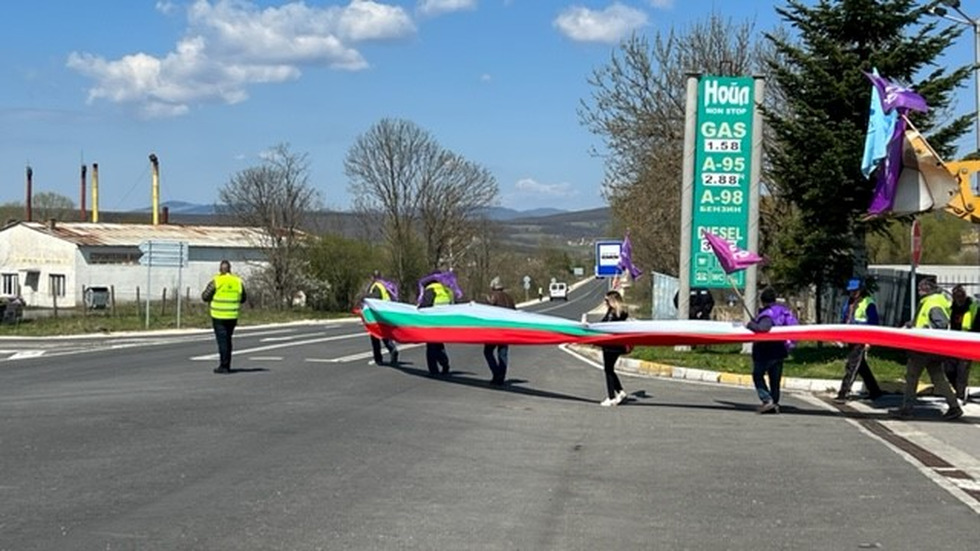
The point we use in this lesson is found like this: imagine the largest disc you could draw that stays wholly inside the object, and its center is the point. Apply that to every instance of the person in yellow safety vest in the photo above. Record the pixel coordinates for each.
(381, 289)
(437, 288)
(860, 309)
(225, 293)
(933, 313)
(963, 317)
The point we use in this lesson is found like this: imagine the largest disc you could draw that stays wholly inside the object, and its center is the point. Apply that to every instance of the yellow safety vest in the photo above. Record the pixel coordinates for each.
(385, 295)
(935, 300)
(442, 293)
(227, 297)
(969, 316)
(861, 312)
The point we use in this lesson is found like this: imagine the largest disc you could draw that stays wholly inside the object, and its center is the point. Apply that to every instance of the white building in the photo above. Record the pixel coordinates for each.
(52, 263)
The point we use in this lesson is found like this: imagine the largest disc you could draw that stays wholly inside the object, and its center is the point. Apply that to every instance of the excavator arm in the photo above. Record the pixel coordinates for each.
(963, 203)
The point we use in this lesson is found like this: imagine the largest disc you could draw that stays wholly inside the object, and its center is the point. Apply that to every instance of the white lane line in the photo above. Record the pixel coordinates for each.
(265, 358)
(26, 354)
(348, 358)
(288, 337)
(943, 482)
(209, 357)
(360, 355)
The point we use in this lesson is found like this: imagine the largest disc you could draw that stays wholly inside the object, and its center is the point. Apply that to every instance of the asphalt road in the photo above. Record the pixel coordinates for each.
(311, 446)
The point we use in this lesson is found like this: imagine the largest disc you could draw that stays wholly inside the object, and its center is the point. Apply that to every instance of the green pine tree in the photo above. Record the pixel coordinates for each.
(819, 130)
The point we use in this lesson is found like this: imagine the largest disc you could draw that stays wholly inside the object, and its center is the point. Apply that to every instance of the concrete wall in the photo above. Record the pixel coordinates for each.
(35, 257)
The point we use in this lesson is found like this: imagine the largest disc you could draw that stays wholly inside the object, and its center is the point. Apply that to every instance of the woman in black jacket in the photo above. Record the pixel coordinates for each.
(615, 311)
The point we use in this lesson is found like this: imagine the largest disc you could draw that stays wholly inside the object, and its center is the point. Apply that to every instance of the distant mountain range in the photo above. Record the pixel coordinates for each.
(494, 213)
(518, 230)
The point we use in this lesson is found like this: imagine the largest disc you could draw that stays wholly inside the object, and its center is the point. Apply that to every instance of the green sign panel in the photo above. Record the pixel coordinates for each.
(722, 161)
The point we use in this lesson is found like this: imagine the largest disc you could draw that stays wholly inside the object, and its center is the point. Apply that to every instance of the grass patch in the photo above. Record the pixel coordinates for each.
(128, 318)
(808, 361)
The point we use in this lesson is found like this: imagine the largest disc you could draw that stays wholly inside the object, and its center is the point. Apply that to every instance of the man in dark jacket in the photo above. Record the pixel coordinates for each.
(497, 354)
(768, 356)
(224, 293)
(860, 309)
(963, 317)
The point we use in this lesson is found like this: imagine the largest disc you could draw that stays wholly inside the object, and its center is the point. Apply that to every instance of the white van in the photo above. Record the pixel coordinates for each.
(558, 290)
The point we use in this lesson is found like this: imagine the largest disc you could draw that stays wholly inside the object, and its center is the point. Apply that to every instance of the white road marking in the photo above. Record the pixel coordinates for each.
(288, 337)
(20, 355)
(942, 481)
(265, 358)
(360, 355)
(348, 358)
(209, 357)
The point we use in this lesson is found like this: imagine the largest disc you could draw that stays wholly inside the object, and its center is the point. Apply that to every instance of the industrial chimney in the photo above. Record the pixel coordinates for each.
(27, 201)
(156, 189)
(81, 196)
(95, 192)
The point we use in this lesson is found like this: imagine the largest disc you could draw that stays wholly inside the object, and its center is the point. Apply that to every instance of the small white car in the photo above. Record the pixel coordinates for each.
(558, 290)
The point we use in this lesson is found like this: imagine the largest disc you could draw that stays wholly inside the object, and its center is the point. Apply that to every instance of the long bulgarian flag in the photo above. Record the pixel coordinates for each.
(474, 323)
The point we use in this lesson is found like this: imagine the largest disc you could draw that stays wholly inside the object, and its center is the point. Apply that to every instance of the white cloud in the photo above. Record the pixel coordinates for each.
(166, 7)
(530, 187)
(438, 7)
(231, 45)
(607, 26)
(662, 4)
(485, 77)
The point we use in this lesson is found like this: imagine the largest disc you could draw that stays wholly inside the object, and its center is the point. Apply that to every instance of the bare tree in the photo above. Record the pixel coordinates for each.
(422, 197)
(277, 197)
(453, 194)
(637, 107)
(48, 204)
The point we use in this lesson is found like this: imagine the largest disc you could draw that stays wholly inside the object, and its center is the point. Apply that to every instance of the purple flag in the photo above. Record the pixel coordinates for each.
(447, 278)
(626, 258)
(731, 258)
(900, 100)
(894, 96)
(391, 286)
(888, 172)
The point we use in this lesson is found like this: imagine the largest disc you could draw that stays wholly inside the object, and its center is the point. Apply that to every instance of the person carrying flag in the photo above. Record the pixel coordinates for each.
(436, 289)
(382, 289)
(860, 309)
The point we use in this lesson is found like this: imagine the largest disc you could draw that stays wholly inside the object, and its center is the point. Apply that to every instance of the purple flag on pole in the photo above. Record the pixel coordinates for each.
(731, 258)
(888, 172)
(626, 258)
(894, 96)
(900, 100)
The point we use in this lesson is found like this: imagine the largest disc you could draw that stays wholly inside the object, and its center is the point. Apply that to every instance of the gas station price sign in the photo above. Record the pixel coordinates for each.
(723, 155)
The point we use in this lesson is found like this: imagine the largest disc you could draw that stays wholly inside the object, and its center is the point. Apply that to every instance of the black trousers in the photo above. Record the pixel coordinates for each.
(223, 331)
(958, 373)
(435, 356)
(857, 364)
(609, 359)
(496, 356)
(376, 349)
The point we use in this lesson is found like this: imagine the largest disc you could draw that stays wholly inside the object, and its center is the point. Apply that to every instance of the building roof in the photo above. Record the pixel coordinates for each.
(131, 235)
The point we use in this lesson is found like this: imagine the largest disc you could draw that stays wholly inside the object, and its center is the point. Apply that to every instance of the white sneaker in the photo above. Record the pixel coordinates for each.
(621, 397)
(608, 402)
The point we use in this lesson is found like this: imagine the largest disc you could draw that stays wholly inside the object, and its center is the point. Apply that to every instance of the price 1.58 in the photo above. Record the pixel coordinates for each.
(719, 146)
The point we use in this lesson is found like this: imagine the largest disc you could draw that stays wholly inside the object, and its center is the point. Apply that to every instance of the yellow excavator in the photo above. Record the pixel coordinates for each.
(928, 183)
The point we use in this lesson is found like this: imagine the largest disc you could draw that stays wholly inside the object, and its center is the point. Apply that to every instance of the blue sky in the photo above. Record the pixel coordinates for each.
(209, 85)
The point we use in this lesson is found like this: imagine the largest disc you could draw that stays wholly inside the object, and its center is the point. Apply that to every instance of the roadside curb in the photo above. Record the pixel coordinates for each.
(655, 369)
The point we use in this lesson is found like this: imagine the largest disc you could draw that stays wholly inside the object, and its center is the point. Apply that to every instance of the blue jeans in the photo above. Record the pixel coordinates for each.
(772, 368)
(498, 364)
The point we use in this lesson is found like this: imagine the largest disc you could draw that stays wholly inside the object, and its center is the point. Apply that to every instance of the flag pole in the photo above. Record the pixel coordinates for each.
(739, 293)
